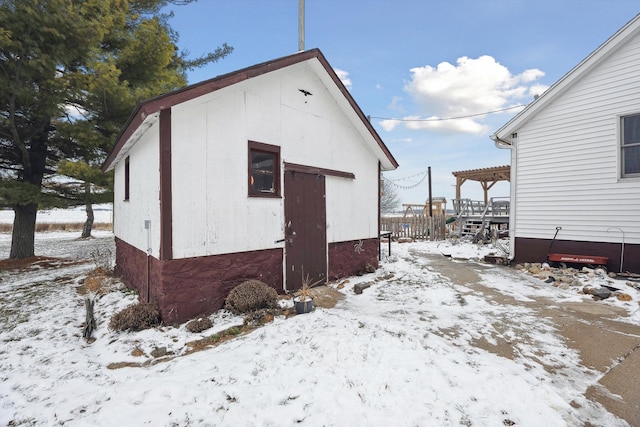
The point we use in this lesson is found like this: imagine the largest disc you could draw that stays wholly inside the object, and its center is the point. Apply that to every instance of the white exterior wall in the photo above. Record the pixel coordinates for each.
(212, 213)
(144, 195)
(568, 158)
(352, 204)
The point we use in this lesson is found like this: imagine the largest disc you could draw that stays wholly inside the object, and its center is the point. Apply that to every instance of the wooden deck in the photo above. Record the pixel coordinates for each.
(474, 217)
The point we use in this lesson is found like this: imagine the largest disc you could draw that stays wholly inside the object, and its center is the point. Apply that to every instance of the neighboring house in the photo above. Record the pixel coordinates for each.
(575, 160)
(264, 173)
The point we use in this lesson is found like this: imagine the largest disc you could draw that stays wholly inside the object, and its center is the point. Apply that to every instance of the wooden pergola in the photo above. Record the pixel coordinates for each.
(487, 177)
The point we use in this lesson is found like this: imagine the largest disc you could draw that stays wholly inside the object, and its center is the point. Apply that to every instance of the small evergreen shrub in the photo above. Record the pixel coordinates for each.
(199, 325)
(136, 318)
(251, 295)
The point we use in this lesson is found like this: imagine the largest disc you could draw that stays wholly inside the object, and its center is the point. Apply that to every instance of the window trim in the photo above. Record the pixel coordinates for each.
(622, 146)
(127, 179)
(254, 146)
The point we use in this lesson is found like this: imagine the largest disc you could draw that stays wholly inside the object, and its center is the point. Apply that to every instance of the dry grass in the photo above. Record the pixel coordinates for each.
(218, 338)
(99, 281)
(69, 226)
(136, 318)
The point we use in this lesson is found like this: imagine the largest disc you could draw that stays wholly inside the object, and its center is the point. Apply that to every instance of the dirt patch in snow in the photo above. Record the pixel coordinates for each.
(37, 262)
(326, 296)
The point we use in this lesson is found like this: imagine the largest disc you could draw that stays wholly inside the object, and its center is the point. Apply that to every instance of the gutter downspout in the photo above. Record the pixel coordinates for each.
(502, 144)
(147, 226)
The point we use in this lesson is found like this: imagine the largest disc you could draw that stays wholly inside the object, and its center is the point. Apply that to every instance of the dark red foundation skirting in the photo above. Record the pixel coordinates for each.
(350, 258)
(536, 250)
(189, 287)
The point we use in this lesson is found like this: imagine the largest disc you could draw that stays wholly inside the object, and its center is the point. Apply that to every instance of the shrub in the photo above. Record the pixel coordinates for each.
(136, 318)
(251, 295)
(199, 325)
(102, 258)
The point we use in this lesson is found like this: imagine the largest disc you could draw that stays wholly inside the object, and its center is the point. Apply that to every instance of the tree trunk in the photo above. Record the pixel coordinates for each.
(24, 229)
(88, 224)
(24, 222)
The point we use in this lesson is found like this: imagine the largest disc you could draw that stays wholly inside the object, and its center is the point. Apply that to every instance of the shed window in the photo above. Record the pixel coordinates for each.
(264, 169)
(630, 146)
(126, 178)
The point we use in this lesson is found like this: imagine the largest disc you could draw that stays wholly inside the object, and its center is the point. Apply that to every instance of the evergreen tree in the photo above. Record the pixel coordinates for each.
(71, 73)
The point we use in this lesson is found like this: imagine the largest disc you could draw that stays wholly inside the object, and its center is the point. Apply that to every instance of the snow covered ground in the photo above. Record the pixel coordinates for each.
(103, 214)
(400, 354)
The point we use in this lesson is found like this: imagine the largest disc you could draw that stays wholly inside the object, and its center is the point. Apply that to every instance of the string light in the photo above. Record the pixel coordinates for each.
(407, 187)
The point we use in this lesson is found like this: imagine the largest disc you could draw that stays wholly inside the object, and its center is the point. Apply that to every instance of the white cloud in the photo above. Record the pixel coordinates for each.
(531, 75)
(344, 77)
(472, 86)
(537, 89)
(395, 103)
(390, 124)
(467, 125)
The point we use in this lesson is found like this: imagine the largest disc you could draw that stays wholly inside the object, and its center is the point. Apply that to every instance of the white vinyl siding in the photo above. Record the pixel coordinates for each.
(568, 157)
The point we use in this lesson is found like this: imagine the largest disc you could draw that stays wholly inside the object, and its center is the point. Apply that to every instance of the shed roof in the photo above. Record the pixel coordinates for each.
(147, 111)
(596, 57)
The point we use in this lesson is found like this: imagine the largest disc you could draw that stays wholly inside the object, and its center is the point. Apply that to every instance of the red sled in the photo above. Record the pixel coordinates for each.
(579, 259)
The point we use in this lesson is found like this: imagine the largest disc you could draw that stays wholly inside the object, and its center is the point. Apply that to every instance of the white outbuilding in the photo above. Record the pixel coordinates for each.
(271, 173)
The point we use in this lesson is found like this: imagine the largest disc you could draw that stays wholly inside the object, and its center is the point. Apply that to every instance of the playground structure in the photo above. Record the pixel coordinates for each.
(438, 207)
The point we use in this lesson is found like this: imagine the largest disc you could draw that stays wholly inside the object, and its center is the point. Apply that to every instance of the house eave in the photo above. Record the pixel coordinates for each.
(137, 133)
(501, 143)
(592, 60)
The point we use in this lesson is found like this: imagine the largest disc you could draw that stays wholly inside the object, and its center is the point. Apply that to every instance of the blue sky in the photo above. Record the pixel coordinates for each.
(418, 59)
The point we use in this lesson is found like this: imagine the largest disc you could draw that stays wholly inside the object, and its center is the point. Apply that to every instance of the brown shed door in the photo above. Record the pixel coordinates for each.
(305, 228)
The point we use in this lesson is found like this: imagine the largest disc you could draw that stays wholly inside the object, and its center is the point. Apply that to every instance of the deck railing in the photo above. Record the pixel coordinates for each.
(497, 206)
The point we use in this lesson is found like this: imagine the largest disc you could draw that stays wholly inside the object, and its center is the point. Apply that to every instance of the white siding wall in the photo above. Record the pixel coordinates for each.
(568, 158)
(211, 211)
(352, 205)
(144, 192)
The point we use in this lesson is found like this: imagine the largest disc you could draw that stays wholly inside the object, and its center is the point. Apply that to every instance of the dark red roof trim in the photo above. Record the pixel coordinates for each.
(187, 93)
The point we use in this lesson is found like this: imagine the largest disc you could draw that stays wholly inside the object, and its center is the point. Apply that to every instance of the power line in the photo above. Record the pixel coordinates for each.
(439, 119)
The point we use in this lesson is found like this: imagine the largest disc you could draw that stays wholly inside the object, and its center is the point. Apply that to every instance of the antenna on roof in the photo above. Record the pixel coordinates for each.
(300, 25)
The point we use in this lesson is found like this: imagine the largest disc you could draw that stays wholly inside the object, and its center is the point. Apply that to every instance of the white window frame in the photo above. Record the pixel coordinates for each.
(622, 146)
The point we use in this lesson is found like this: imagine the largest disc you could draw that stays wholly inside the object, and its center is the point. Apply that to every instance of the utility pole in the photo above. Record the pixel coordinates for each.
(430, 197)
(300, 25)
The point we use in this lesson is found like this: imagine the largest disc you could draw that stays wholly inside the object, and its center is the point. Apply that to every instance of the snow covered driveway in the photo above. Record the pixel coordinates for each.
(417, 348)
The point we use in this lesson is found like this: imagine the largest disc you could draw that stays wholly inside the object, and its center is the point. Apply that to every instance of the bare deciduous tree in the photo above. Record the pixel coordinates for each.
(389, 199)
